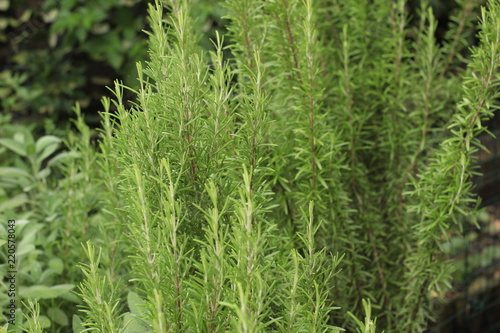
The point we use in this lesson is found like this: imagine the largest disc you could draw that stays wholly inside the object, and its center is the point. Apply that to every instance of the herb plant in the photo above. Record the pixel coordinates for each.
(305, 182)
(334, 128)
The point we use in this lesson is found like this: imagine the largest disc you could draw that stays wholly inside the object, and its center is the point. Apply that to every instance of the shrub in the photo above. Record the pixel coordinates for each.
(321, 166)
(30, 199)
(54, 195)
(331, 130)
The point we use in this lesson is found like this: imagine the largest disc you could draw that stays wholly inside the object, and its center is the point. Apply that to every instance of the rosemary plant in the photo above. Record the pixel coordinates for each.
(322, 163)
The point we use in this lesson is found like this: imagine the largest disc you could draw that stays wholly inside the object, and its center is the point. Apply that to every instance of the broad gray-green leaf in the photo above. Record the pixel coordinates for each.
(14, 202)
(46, 141)
(63, 157)
(77, 324)
(25, 248)
(58, 316)
(57, 265)
(70, 296)
(48, 146)
(44, 321)
(43, 173)
(45, 291)
(134, 324)
(135, 303)
(13, 172)
(16, 146)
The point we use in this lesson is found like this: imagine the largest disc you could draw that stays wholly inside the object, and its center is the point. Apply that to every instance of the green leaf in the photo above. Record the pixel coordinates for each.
(63, 157)
(14, 202)
(46, 141)
(13, 177)
(70, 296)
(9, 172)
(4, 5)
(25, 248)
(44, 173)
(57, 265)
(107, 46)
(44, 321)
(134, 324)
(16, 146)
(45, 292)
(64, 21)
(47, 147)
(58, 316)
(29, 234)
(77, 324)
(135, 304)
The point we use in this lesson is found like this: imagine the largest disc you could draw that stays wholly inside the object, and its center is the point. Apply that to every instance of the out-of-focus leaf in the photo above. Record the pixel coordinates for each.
(134, 324)
(4, 4)
(45, 141)
(57, 265)
(63, 157)
(43, 173)
(14, 202)
(77, 324)
(135, 304)
(70, 296)
(44, 321)
(17, 147)
(45, 291)
(58, 316)
(25, 248)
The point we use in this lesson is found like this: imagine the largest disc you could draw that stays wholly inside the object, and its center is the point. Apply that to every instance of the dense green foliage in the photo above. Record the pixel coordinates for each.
(54, 53)
(51, 196)
(57, 52)
(321, 163)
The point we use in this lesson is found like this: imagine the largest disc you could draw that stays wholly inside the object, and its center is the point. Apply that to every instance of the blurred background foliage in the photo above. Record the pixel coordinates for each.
(55, 53)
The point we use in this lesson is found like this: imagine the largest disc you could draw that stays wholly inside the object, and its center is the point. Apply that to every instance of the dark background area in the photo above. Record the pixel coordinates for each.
(55, 53)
